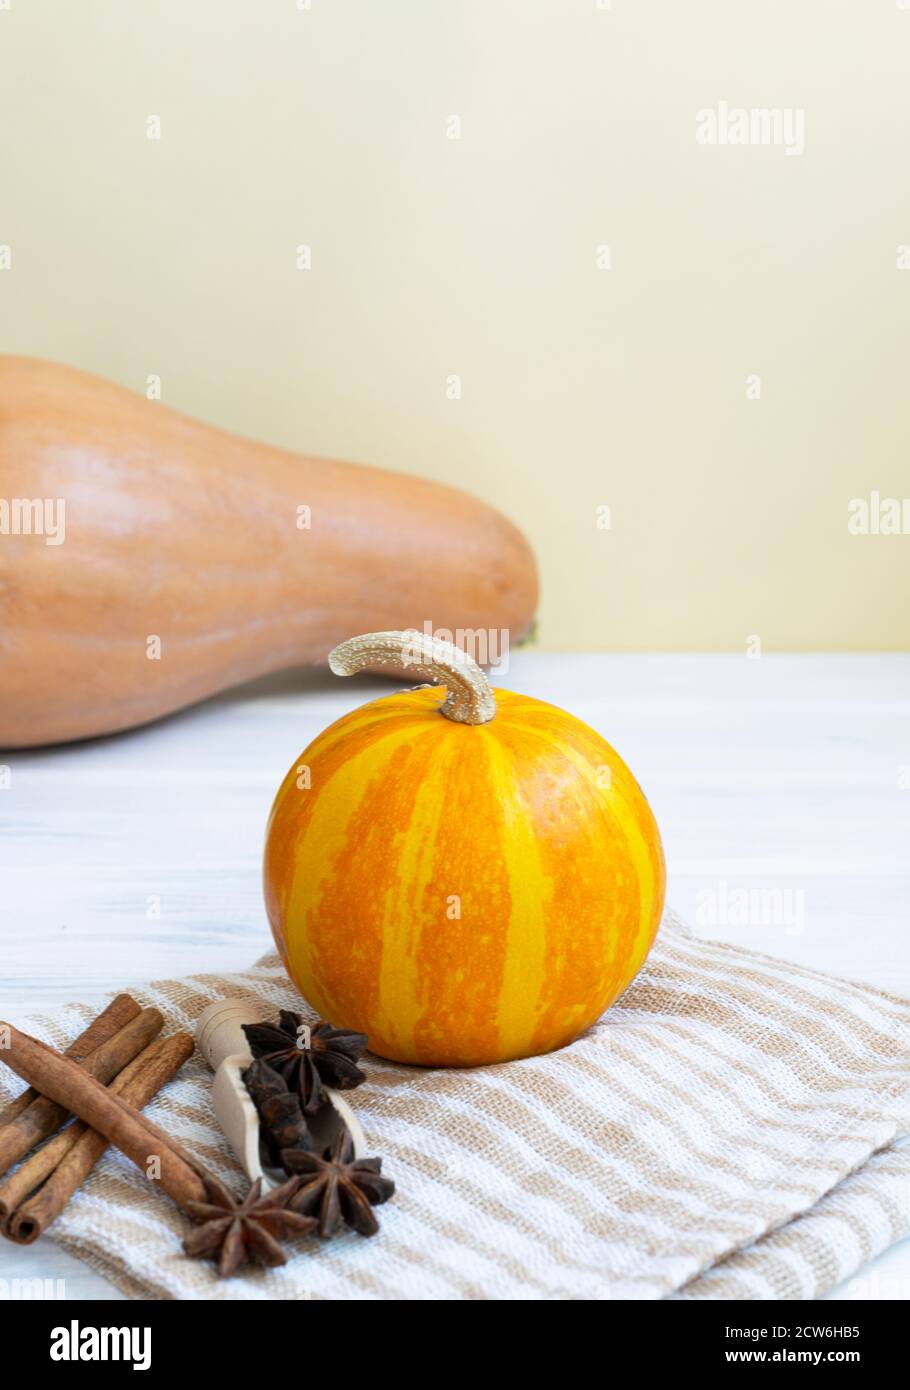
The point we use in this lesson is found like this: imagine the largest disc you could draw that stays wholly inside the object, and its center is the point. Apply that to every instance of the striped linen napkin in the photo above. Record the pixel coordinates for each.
(730, 1129)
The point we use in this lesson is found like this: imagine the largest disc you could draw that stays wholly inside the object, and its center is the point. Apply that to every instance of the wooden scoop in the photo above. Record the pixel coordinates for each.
(222, 1042)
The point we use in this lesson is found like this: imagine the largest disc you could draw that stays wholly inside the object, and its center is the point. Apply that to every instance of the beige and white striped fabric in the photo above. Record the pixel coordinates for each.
(730, 1129)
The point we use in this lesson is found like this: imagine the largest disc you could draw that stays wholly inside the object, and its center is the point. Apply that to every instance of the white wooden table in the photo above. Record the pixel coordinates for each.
(138, 857)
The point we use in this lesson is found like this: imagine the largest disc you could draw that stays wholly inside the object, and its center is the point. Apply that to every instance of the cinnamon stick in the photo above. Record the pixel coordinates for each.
(118, 1012)
(69, 1085)
(32, 1173)
(43, 1116)
(136, 1085)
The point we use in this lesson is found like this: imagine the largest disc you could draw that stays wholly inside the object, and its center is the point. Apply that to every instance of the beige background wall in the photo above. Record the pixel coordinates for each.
(432, 257)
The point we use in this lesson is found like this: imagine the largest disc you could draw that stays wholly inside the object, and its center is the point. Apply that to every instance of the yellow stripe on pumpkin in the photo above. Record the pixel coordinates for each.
(530, 890)
(401, 1000)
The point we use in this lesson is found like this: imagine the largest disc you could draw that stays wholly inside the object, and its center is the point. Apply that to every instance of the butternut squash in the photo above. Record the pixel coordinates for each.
(148, 560)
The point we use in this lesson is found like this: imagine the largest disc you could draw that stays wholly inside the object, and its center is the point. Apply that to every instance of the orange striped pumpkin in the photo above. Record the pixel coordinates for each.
(463, 889)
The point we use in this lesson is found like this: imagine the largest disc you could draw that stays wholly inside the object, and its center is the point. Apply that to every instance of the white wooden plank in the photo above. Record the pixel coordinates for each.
(785, 775)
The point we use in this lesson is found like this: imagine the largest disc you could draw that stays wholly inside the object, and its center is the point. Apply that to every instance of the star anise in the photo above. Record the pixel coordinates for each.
(326, 1054)
(281, 1121)
(338, 1187)
(233, 1231)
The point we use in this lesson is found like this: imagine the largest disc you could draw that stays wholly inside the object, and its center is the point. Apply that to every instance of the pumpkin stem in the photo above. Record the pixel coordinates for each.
(470, 698)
